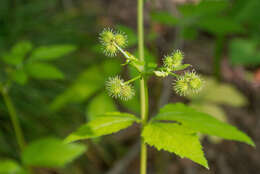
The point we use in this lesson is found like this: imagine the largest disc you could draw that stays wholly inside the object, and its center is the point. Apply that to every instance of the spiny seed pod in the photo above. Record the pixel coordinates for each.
(111, 40)
(173, 61)
(120, 39)
(195, 81)
(110, 50)
(190, 82)
(181, 86)
(127, 92)
(106, 36)
(114, 86)
(117, 88)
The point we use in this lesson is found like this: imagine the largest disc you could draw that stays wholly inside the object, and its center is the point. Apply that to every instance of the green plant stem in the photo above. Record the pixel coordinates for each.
(133, 79)
(143, 84)
(15, 122)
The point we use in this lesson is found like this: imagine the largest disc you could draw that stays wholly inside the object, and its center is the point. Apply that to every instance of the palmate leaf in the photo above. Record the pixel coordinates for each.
(175, 138)
(51, 152)
(201, 122)
(103, 125)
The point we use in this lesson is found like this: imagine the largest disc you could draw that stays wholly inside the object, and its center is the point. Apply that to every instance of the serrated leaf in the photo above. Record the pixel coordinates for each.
(43, 71)
(51, 52)
(103, 125)
(201, 122)
(9, 166)
(51, 152)
(175, 138)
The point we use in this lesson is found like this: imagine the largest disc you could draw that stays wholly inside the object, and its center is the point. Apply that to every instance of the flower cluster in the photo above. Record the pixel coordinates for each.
(112, 41)
(117, 88)
(115, 41)
(190, 82)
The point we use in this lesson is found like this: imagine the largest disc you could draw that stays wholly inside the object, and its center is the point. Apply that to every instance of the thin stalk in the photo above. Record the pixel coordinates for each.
(143, 84)
(133, 79)
(13, 116)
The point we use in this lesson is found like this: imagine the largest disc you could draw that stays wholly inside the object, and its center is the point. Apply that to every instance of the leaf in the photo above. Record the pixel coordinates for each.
(43, 71)
(87, 84)
(175, 138)
(17, 53)
(201, 122)
(103, 125)
(102, 103)
(244, 52)
(164, 18)
(9, 166)
(51, 52)
(216, 92)
(19, 76)
(51, 152)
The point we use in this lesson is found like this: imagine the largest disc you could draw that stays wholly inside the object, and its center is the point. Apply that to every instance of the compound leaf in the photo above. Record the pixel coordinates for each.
(175, 138)
(201, 122)
(103, 125)
(51, 152)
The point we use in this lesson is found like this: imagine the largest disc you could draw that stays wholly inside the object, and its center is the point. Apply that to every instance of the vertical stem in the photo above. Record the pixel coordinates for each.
(15, 122)
(143, 85)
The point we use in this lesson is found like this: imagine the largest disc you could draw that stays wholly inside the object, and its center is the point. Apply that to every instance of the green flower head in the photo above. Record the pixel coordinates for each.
(173, 61)
(111, 40)
(190, 82)
(117, 88)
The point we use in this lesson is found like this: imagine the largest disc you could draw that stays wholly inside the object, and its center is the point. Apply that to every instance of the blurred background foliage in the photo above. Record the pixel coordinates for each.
(50, 50)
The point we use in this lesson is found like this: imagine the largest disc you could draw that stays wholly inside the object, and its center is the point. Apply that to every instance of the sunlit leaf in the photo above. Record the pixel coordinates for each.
(175, 138)
(9, 166)
(103, 125)
(201, 122)
(51, 152)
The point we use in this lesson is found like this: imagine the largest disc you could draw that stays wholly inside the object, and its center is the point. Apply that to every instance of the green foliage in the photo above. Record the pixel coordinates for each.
(51, 152)
(215, 93)
(201, 122)
(10, 167)
(175, 138)
(43, 71)
(103, 125)
(244, 52)
(18, 52)
(47, 53)
(100, 104)
(87, 84)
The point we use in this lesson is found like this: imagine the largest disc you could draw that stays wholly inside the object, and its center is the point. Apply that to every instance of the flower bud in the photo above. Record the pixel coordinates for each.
(173, 61)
